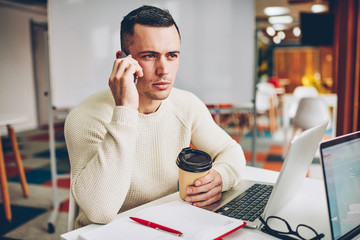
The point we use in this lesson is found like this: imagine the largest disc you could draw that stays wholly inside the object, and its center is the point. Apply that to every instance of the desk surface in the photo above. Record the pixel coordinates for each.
(308, 207)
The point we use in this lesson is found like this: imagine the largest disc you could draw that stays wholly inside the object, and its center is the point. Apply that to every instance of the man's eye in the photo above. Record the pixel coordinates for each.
(149, 56)
(173, 55)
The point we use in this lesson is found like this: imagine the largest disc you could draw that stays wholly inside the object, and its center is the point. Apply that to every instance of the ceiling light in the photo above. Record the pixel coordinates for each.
(296, 31)
(275, 11)
(276, 39)
(281, 35)
(270, 31)
(281, 19)
(318, 8)
(279, 27)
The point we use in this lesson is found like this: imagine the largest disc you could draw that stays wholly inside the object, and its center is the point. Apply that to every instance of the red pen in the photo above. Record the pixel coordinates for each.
(155, 226)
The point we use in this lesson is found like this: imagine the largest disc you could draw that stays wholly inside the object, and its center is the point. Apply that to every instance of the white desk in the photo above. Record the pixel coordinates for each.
(10, 119)
(308, 207)
(289, 99)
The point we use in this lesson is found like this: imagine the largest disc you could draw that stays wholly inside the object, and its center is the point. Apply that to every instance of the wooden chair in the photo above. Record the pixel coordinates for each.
(3, 179)
(266, 104)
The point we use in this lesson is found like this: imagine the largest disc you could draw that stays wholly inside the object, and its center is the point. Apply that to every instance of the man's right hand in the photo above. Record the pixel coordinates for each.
(121, 81)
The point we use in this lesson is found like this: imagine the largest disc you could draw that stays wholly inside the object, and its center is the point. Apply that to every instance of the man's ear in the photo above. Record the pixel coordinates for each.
(118, 54)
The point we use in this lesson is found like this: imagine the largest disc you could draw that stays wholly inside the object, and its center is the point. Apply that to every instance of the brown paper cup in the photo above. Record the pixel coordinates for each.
(193, 164)
(187, 179)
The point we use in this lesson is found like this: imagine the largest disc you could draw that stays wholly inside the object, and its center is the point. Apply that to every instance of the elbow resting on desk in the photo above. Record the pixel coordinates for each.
(103, 217)
(96, 211)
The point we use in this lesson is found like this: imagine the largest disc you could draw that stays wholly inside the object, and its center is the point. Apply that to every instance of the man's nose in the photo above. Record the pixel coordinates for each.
(162, 66)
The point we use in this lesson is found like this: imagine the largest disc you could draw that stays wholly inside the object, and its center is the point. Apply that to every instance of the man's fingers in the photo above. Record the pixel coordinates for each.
(205, 198)
(204, 184)
(200, 189)
(121, 82)
(124, 64)
(115, 68)
(208, 201)
(207, 190)
(139, 72)
(208, 178)
(126, 72)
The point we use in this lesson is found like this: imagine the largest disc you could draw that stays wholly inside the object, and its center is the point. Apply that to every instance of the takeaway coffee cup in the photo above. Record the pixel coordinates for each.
(192, 164)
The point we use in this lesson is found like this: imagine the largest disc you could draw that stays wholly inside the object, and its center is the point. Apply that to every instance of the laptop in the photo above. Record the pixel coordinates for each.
(293, 172)
(340, 158)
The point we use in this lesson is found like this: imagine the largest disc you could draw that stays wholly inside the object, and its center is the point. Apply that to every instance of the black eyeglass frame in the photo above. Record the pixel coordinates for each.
(267, 229)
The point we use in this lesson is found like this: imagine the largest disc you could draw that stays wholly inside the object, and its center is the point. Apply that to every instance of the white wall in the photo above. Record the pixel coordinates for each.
(217, 49)
(17, 90)
(217, 52)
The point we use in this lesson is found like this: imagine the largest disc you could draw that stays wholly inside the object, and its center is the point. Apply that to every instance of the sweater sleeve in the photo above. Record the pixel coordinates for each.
(101, 154)
(227, 154)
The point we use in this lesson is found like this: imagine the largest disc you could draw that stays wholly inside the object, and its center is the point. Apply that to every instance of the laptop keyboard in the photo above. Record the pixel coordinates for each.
(249, 204)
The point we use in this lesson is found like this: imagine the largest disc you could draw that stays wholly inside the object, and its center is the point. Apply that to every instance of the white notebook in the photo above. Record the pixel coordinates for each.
(193, 222)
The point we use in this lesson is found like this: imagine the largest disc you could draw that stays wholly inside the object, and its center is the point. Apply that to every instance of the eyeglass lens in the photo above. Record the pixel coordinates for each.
(306, 231)
(278, 225)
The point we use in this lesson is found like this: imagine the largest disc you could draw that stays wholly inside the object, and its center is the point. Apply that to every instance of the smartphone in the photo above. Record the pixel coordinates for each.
(136, 77)
(123, 54)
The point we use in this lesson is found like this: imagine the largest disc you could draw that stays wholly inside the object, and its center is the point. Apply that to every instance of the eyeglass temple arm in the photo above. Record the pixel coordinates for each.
(262, 220)
(274, 233)
(318, 237)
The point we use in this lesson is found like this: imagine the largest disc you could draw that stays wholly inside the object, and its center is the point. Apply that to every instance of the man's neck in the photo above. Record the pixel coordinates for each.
(149, 107)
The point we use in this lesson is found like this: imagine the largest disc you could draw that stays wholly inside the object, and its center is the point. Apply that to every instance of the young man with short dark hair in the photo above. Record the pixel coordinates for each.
(123, 142)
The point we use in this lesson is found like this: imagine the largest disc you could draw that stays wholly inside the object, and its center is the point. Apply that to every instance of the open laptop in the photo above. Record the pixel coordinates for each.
(340, 158)
(293, 173)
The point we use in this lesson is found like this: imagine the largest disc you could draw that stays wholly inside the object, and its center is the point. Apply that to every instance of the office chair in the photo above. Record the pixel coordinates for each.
(73, 212)
(305, 91)
(301, 92)
(310, 112)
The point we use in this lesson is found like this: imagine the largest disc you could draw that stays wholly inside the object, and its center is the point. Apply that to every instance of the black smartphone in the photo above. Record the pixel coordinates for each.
(123, 54)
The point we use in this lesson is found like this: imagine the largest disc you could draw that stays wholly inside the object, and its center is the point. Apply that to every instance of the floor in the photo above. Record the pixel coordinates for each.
(31, 215)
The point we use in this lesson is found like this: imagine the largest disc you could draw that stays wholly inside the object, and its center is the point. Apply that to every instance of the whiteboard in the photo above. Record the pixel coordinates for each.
(217, 47)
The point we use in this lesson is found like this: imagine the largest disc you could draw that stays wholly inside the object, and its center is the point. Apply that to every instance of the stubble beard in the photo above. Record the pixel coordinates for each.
(157, 97)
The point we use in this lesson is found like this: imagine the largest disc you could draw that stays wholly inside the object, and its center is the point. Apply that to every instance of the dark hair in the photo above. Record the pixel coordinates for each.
(145, 15)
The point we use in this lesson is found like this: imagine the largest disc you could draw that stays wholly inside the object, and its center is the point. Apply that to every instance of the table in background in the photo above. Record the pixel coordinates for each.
(228, 109)
(307, 207)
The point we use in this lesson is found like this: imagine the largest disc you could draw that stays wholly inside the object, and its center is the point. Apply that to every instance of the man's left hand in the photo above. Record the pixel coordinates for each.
(206, 191)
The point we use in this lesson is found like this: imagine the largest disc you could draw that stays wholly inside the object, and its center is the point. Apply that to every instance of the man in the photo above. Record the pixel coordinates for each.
(123, 142)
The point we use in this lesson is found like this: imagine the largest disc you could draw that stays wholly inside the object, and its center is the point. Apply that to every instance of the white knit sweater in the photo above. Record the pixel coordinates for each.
(121, 159)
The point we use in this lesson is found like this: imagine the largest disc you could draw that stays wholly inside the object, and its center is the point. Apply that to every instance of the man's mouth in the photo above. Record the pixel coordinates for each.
(161, 85)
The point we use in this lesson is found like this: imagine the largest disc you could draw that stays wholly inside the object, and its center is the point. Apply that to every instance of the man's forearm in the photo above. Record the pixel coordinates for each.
(101, 165)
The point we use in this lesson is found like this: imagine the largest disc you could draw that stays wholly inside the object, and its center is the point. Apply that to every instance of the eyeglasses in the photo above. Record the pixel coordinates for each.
(280, 228)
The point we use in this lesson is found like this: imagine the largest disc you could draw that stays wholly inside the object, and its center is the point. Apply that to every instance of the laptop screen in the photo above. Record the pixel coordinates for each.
(341, 166)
